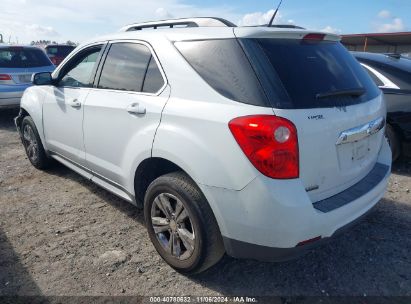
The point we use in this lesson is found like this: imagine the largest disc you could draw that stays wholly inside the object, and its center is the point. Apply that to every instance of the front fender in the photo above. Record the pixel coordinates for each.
(32, 103)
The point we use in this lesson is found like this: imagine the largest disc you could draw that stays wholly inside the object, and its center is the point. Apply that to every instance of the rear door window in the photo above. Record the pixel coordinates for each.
(22, 57)
(295, 72)
(153, 81)
(125, 67)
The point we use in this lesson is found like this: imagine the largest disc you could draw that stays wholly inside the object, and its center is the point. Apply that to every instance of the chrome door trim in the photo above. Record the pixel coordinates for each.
(361, 132)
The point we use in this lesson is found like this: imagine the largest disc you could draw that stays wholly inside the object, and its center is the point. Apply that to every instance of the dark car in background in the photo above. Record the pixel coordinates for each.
(17, 65)
(392, 73)
(58, 52)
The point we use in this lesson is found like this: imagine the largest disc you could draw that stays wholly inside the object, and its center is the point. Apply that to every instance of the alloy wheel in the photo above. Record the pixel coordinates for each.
(172, 226)
(30, 142)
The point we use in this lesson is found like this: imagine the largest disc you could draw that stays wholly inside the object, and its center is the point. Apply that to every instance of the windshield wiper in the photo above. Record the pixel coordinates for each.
(348, 92)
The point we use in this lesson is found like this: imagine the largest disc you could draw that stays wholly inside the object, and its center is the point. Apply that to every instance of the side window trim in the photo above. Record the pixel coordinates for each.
(153, 55)
(62, 70)
(388, 84)
(145, 73)
(101, 65)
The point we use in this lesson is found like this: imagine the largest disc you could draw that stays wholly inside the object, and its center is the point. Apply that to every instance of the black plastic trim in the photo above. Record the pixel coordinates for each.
(373, 178)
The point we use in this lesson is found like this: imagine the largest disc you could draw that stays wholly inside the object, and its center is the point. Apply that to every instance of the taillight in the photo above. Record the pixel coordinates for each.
(5, 77)
(314, 37)
(270, 143)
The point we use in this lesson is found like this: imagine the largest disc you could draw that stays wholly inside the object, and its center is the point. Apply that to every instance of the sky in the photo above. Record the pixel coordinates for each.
(77, 20)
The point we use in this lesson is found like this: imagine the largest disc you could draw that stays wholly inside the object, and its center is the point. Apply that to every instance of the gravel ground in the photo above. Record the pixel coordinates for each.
(62, 235)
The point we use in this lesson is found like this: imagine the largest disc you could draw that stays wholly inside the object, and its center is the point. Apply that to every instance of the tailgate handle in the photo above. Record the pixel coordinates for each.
(361, 132)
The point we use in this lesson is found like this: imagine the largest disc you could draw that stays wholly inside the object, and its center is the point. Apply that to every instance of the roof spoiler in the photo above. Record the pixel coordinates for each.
(286, 26)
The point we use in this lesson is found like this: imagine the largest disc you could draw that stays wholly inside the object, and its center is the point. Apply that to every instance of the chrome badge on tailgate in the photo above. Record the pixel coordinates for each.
(361, 132)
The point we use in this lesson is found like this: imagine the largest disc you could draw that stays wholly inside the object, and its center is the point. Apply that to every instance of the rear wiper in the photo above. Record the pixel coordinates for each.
(349, 92)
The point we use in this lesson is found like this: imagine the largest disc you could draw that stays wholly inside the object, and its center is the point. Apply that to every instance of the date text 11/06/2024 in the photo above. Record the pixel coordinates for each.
(201, 299)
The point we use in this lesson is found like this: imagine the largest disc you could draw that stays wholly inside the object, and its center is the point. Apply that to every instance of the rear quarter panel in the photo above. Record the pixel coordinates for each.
(195, 135)
(194, 132)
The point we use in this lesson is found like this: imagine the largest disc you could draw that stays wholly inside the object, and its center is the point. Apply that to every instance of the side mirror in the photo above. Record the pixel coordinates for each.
(43, 78)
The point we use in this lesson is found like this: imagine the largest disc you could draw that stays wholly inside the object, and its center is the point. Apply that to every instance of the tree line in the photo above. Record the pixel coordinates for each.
(47, 42)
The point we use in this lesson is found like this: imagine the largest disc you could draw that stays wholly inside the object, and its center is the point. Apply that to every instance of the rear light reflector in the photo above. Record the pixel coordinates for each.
(5, 77)
(314, 37)
(270, 143)
(309, 241)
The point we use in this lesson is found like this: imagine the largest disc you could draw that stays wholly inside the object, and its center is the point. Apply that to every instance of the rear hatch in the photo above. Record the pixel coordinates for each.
(313, 81)
(17, 64)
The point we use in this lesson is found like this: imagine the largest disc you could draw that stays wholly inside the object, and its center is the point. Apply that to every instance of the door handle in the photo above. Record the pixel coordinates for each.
(75, 103)
(136, 108)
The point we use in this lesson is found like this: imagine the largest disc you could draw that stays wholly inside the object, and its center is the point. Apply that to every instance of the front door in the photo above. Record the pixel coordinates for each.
(63, 105)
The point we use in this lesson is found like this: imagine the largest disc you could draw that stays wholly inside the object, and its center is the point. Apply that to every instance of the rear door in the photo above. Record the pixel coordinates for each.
(123, 110)
(337, 109)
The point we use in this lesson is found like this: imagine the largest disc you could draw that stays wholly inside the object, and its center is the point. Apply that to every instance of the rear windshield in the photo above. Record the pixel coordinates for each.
(295, 73)
(61, 51)
(281, 73)
(18, 57)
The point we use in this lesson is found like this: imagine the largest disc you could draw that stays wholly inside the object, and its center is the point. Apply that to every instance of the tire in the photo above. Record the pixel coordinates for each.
(394, 142)
(33, 145)
(199, 244)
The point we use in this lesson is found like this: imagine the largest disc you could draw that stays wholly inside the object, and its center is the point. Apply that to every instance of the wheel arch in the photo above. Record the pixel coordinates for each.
(150, 169)
(32, 104)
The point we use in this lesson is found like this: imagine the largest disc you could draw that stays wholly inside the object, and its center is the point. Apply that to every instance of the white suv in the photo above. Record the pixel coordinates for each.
(254, 141)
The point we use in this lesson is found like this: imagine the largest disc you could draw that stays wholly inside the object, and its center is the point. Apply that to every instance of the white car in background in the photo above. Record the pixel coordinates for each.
(255, 141)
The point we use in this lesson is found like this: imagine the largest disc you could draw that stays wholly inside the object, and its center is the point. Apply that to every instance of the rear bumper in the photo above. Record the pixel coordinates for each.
(268, 218)
(10, 96)
(243, 250)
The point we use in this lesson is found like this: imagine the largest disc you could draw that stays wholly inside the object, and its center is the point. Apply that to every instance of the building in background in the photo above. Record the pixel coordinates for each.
(399, 43)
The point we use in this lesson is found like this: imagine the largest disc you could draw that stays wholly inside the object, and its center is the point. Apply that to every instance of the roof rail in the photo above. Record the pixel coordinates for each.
(184, 22)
